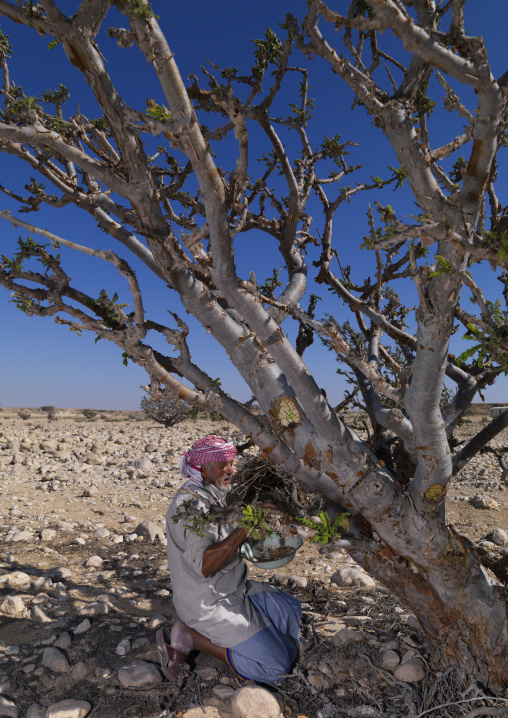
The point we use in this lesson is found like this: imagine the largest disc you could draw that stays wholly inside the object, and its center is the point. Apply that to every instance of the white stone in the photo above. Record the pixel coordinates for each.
(95, 608)
(410, 671)
(82, 627)
(48, 534)
(21, 536)
(61, 573)
(55, 660)
(138, 674)
(93, 562)
(40, 615)
(255, 702)
(12, 605)
(225, 693)
(91, 491)
(499, 537)
(352, 576)
(149, 530)
(69, 708)
(123, 647)
(8, 709)
(484, 502)
(101, 533)
(15, 578)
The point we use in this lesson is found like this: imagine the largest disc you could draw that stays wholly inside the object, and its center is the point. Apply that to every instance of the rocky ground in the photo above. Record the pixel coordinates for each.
(84, 585)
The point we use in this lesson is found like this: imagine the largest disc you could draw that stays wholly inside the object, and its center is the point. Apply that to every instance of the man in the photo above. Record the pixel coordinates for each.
(249, 625)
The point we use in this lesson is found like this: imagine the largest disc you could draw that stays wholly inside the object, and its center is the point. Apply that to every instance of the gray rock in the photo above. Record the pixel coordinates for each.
(93, 562)
(101, 533)
(139, 673)
(8, 709)
(499, 537)
(20, 536)
(91, 491)
(55, 660)
(352, 576)
(61, 573)
(483, 502)
(225, 693)
(64, 640)
(255, 702)
(79, 671)
(36, 710)
(345, 635)
(318, 680)
(149, 530)
(69, 708)
(390, 660)
(299, 581)
(82, 627)
(410, 671)
(48, 534)
(123, 647)
(95, 608)
(12, 605)
(40, 615)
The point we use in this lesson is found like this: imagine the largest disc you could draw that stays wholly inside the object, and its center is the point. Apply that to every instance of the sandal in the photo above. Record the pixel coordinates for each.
(167, 653)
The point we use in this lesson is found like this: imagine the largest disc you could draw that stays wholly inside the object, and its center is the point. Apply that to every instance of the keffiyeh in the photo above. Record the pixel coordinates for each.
(202, 451)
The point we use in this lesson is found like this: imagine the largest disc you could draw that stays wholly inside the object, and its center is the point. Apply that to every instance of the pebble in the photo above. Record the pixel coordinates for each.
(64, 640)
(390, 660)
(12, 606)
(93, 562)
(82, 627)
(123, 647)
(411, 671)
(345, 635)
(352, 576)
(224, 693)
(499, 537)
(255, 702)
(8, 709)
(149, 530)
(138, 674)
(69, 708)
(55, 660)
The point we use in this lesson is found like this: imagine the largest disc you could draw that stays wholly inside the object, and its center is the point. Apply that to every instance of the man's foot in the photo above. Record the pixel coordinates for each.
(173, 651)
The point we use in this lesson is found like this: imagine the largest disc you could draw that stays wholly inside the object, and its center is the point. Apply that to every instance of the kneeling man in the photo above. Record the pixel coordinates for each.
(251, 626)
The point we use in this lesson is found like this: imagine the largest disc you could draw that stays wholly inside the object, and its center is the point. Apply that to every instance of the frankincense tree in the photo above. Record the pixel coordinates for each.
(181, 214)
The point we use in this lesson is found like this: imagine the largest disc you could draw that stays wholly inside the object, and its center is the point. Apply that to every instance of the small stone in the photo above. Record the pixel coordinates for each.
(255, 702)
(36, 710)
(90, 491)
(95, 608)
(12, 605)
(61, 573)
(12, 650)
(352, 576)
(55, 660)
(79, 671)
(411, 671)
(499, 537)
(483, 502)
(318, 680)
(390, 660)
(64, 640)
(101, 534)
(48, 534)
(149, 530)
(345, 635)
(8, 709)
(82, 627)
(93, 562)
(69, 708)
(299, 581)
(225, 693)
(207, 674)
(123, 647)
(21, 536)
(40, 615)
(139, 673)
(157, 621)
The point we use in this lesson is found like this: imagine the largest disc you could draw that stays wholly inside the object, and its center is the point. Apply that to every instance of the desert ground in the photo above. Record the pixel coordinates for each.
(84, 584)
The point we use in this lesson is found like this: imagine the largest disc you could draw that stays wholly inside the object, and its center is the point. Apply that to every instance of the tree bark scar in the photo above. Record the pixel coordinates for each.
(435, 492)
(276, 336)
(310, 456)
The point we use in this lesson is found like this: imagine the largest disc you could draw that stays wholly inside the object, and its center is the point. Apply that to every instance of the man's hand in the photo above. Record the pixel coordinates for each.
(218, 554)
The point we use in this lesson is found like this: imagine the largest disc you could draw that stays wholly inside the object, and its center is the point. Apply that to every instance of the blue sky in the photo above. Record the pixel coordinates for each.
(43, 363)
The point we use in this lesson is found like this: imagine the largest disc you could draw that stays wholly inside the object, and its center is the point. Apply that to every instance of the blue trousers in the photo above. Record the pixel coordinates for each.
(271, 652)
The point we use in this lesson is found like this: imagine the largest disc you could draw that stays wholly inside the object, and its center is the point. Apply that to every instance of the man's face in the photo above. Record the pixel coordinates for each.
(219, 474)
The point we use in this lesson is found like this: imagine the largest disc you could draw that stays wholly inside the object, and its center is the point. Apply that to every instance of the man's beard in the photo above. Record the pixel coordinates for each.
(224, 488)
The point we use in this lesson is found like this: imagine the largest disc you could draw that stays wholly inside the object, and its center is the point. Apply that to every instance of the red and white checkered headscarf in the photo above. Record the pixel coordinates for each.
(202, 451)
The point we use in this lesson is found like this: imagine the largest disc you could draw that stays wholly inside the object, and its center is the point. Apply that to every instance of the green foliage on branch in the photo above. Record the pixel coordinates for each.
(327, 530)
(254, 521)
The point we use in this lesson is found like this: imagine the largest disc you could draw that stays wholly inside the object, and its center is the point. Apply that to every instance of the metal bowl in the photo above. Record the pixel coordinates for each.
(250, 551)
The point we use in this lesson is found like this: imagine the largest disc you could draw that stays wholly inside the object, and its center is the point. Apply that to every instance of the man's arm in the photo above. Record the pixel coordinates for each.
(218, 554)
